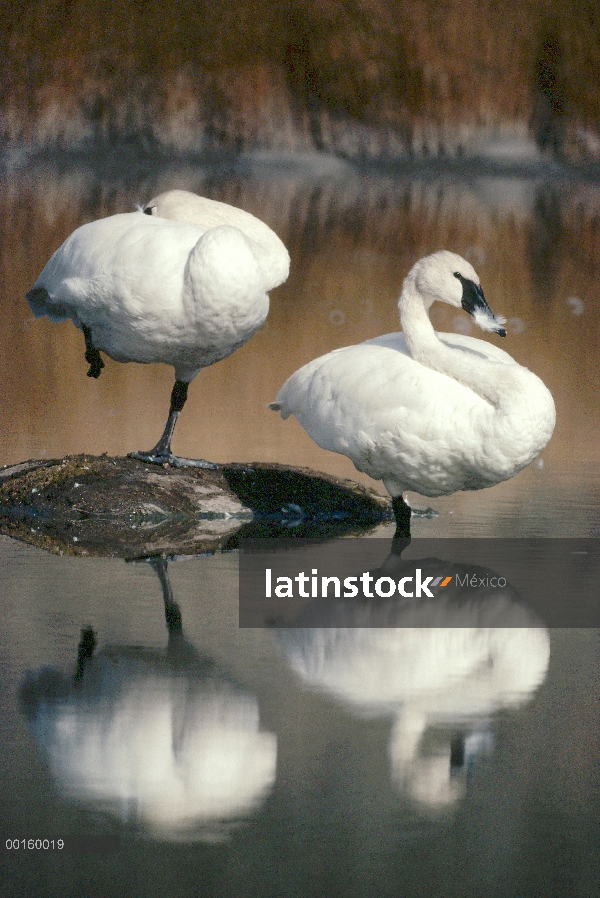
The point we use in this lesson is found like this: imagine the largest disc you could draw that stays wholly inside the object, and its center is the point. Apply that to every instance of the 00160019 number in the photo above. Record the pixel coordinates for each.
(35, 844)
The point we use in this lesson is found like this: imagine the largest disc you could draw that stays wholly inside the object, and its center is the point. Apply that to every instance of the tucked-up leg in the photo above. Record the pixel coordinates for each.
(92, 355)
(161, 454)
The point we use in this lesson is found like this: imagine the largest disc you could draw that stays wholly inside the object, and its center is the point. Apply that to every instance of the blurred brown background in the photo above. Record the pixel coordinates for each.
(363, 78)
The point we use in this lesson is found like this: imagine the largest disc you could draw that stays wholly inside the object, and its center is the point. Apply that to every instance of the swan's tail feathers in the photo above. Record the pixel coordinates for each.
(41, 303)
(38, 299)
(279, 406)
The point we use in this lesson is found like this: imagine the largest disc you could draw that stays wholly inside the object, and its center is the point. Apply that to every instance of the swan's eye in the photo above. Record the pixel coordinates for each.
(149, 210)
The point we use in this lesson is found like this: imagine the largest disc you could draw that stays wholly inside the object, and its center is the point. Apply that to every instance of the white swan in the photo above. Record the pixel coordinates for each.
(184, 282)
(433, 413)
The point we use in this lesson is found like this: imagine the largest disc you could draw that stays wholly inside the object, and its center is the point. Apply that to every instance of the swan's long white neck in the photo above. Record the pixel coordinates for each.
(517, 414)
(426, 347)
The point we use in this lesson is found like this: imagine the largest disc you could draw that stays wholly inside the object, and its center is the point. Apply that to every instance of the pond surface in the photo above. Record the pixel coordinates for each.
(234, 761)
(352, 239)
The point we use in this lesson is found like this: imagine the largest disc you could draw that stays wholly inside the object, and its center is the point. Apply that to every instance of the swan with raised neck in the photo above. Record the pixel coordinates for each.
(434, 413)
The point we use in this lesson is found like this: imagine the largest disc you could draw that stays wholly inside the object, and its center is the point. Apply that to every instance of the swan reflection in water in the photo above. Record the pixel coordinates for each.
(165, 741)
(438, 667)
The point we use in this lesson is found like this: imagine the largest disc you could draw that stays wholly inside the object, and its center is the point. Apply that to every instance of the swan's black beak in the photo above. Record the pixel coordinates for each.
(473, 302)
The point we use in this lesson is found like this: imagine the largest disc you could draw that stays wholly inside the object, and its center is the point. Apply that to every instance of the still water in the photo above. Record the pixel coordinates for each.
(246, 762)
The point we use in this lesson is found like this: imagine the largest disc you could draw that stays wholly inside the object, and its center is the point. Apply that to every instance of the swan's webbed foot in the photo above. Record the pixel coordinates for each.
(161, 454)
(402, 515)
(157, 457)
(92, 355)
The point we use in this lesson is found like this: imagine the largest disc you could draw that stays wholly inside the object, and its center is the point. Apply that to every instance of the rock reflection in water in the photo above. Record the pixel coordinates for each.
(164, 741)
(438, 667)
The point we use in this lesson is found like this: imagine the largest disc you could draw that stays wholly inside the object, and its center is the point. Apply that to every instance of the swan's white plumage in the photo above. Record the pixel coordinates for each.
(433, 413)
(272, 256)
(183, 281)
(152, 289)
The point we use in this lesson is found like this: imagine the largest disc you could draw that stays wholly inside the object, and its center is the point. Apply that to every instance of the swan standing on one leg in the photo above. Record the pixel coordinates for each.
(433, 413)
(186, 284)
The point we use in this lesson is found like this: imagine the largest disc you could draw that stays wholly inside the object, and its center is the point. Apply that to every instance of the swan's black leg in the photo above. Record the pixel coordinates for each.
(178, 400)
(91, 354)
(402, 515)
(161, 454)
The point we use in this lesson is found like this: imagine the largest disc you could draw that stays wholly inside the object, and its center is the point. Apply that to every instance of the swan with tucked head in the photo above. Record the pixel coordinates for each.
(422, 411)
(183, 281)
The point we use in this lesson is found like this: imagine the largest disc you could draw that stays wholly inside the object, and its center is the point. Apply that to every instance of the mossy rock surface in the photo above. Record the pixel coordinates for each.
(98, 505)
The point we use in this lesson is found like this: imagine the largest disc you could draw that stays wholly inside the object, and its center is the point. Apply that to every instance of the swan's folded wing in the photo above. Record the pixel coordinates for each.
(480, 348)
(271, 254)
(370, 389)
